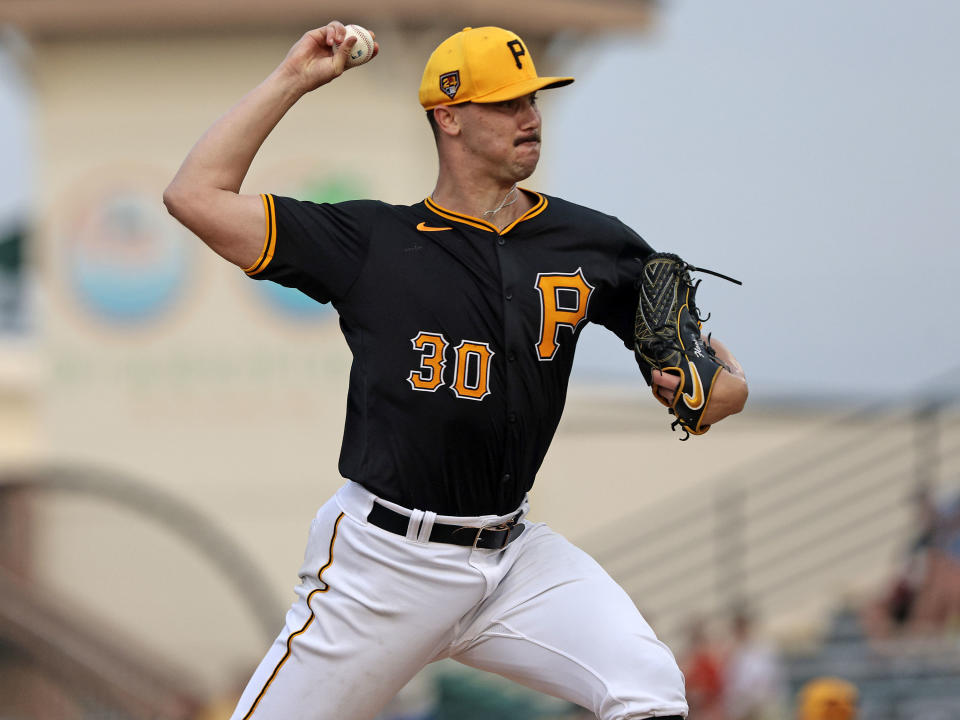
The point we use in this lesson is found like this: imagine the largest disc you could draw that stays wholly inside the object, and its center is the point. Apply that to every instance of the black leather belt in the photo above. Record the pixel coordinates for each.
(492, 537)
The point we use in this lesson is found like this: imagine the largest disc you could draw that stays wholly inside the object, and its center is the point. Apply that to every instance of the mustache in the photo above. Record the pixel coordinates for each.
(532, 137)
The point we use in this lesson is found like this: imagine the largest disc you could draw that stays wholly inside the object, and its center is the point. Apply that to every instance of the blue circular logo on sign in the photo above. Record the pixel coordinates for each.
(127, 259)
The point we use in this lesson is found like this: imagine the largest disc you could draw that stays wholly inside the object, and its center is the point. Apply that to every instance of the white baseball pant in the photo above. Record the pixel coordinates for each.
(374, 608)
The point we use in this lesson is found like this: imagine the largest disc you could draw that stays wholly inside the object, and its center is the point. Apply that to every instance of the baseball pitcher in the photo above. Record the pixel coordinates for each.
(462, 312)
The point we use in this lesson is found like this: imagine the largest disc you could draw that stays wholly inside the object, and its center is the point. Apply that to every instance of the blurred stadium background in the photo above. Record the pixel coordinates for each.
(168, 428)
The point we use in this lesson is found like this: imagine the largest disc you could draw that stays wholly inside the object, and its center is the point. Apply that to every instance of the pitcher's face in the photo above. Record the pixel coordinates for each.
(505, 136)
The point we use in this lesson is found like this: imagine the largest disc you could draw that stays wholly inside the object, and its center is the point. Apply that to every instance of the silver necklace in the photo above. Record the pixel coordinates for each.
(511, 192)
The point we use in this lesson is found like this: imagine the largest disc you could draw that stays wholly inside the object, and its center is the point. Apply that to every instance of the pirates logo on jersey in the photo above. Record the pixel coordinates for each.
(564, 299)
(450, 83)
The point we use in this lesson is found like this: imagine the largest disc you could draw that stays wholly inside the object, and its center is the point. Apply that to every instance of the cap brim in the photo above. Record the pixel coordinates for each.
(516, 90)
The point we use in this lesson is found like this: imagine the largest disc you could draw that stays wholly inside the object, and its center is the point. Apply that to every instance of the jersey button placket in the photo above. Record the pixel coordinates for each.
(508, 319)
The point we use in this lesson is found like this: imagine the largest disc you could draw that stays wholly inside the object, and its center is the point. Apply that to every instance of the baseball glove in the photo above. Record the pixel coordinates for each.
(667, 337)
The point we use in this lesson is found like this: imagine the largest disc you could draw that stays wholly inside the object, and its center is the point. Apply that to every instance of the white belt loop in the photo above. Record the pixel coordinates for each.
(426, 527)
(413, 527)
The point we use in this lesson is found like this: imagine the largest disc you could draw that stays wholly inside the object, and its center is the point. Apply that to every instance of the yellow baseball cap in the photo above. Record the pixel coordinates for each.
(484, 65)
(827, 698)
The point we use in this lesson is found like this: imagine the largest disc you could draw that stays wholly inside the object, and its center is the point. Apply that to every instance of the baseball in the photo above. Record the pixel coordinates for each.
(363, 49)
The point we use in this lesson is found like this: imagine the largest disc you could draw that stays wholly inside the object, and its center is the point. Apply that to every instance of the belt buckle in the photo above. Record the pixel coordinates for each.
(505, 526)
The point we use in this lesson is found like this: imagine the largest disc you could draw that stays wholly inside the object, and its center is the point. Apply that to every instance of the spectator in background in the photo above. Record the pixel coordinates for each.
(924, 596)
(827, 698)
(893, 611)
(936, 606)
(702, 668)
(755, 687)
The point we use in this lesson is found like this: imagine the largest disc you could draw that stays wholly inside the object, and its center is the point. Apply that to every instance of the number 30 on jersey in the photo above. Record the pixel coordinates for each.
(564, 298)
(471, 366)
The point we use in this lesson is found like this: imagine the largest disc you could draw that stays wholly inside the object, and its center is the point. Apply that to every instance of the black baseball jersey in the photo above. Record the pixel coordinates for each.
(463, 336)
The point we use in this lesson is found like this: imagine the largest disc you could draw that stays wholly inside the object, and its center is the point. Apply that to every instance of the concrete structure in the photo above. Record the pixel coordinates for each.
(64, 18)
(154, 359)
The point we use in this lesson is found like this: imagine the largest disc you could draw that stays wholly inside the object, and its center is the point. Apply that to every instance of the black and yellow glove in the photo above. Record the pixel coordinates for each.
(667, 337)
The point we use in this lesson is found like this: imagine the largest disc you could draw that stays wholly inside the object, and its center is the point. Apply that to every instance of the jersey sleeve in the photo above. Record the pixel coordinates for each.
(317, 248)
(618, 310)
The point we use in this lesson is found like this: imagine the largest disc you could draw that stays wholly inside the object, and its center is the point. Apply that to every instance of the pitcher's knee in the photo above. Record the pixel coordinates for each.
(650, 688)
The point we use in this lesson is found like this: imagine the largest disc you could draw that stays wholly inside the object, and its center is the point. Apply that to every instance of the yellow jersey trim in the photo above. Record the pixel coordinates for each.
(457, 217)
(538, 207)
(270, 241)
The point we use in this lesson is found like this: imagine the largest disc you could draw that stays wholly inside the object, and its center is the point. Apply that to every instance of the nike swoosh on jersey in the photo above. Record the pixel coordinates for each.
(694, 401)
(423, 227)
